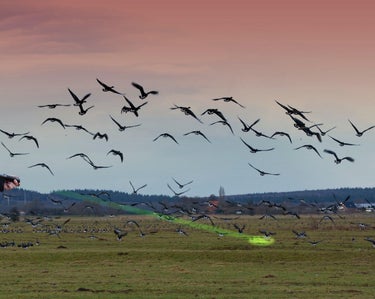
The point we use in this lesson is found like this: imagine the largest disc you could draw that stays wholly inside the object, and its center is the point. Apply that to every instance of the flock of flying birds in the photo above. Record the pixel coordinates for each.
(299, 119)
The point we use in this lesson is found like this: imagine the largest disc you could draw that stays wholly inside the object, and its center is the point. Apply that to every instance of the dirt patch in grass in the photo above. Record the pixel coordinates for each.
(127, 291)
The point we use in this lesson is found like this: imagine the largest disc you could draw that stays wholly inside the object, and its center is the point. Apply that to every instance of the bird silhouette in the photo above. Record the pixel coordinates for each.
(53, 106)
(42, 165)
(291, 110)
(82, 155)
(99, 195)
(107, 88)
(177, 193)
(12, 135)
(309, 147)
(203, 216)
(240, 229)
(372, 241)
(282, 134)
(119, 233)
(260, 134)
(342, 143)
(197, 132)
(224, 123)
(135, 190)
(288, 110)
(181, 185)
(12, 154)
(133, 222)
(95, 167)
(298, 112)
(122, 127)
(261, 172)
(88, 160)
(323, 133)
(166, 135)
(216, 112)
(83, 111)
(29, 137)
(255, 150)
(134, 109)
(358, 132)
(299, 124)
(246, 127)
(186, 111)
(228, 99)
(77, 100)
(144, 94)
(337, 159)
(54, 119)
(79, 127)
(116, 153)
(101, 136)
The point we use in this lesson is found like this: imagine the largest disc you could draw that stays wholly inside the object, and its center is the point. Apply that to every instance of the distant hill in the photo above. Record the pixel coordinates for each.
(311, 196)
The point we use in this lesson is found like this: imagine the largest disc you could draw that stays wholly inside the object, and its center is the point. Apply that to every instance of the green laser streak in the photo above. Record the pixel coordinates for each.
(254, 240)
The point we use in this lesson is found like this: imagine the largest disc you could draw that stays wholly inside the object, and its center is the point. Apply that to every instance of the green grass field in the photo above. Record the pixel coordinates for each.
(85, 260)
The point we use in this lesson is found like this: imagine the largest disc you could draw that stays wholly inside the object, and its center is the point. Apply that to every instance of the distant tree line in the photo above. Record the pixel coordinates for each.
(35, 203)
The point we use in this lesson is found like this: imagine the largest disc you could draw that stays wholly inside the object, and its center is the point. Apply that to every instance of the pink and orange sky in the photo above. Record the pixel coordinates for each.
(313, 55)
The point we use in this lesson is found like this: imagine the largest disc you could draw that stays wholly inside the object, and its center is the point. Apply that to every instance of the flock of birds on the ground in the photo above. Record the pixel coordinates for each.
(298, 117)
(221, 214)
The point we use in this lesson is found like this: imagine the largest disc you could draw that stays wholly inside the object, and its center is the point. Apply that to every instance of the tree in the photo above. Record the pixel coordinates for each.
(14, 214)
(221, 192)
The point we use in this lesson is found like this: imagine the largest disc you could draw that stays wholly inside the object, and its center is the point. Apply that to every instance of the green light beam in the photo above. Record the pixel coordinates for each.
(254, 240)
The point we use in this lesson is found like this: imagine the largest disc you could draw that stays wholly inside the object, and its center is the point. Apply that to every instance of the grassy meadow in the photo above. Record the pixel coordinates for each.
(85, 259)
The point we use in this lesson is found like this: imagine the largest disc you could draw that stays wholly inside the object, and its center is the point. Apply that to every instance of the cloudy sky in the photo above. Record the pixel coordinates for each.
(316, 56)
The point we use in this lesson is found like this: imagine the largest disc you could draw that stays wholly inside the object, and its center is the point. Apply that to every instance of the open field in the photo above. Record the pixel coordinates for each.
(85, 259)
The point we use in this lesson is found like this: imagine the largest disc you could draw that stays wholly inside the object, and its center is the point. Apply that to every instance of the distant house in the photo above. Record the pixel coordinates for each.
(365, 206)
